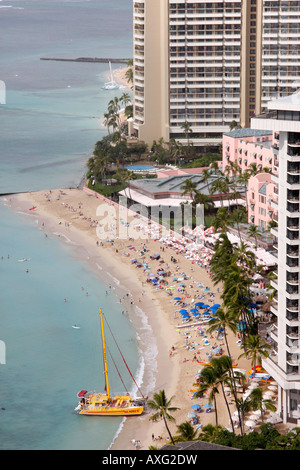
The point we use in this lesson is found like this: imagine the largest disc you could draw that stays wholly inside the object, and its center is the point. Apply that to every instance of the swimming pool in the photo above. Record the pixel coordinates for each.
(140, 167)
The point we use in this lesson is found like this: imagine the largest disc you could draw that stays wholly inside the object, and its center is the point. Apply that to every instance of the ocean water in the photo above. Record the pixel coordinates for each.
(53, 112)
(47, 361)
(48, 128)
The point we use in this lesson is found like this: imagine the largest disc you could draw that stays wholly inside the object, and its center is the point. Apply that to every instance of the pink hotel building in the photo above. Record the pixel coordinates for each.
(250, 146)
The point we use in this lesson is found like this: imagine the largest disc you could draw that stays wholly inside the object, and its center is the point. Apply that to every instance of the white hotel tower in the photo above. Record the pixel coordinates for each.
(210, 63)
(283, 364)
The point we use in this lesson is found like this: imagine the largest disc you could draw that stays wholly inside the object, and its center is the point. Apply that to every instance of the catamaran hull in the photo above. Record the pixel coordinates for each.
(128, 412)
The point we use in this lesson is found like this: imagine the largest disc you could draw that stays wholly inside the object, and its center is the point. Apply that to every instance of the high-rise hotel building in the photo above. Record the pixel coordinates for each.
(210, 63)
(283, 363)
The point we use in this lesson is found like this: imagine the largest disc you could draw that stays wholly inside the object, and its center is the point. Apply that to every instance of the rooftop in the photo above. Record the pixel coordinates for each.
(171, 184)
(291, 102)
(242, 133)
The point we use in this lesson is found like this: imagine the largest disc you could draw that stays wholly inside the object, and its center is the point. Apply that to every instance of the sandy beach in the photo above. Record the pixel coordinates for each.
(89, 222)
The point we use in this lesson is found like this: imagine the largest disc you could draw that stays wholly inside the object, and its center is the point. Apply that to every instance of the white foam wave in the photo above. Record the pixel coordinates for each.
(118, 432)
(116, 281)
(12, 7)
(146, 373)
(68, 240)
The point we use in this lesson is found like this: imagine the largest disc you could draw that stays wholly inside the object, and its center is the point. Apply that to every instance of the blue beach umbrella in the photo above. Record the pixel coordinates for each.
(177, 298)
(183, 310)
(199, 304)
(194, 310)
(207, 405)
(196, 407)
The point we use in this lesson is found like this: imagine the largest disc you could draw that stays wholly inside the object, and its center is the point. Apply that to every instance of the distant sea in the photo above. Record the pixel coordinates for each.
(48, 128)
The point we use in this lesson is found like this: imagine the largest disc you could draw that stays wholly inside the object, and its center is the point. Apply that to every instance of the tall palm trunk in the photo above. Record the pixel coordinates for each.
(167, 428)
(227, 406)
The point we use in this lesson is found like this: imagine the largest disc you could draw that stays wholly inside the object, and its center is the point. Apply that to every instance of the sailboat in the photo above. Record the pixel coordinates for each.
(104, 404)
(112, 85)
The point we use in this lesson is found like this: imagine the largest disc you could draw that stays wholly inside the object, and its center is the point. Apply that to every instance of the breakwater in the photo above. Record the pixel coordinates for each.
(89, 59)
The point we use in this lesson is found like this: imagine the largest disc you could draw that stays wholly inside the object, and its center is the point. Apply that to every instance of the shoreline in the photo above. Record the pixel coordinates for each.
(110, 272)
(176, 369)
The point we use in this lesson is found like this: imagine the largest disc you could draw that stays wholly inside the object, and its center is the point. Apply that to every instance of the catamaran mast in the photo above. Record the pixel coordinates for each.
(104, 356)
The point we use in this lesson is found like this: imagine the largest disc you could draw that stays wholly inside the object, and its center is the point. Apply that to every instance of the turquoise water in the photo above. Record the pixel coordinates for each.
(53, 112)
(48, 128)
(47, 361)
(139, 167)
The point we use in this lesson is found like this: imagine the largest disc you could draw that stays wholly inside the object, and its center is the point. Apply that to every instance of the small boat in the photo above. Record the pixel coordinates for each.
(32, 208)
(112, 85)
(76, 327)
(104, 404)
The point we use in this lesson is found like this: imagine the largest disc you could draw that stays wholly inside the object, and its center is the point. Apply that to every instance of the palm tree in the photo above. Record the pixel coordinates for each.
(258, 403)
(255, 347)
(223, 370)
(220, 186)
(101, 161)
(243, 179)
(244, 255)
(125, 99)
(213, 376)
(189, 187)
(175, 150)
(253, 231)
(162, 408)
(223, 319)
(210, 432)
(203, 199)
(221, 219)
(236, 294)
(129, 72)
(221, 259)
(253, 170)
(110, 121)
(206, 174)
(243, 406)
(186, 432)
(187, 130)
(114, 111)
(209, 382)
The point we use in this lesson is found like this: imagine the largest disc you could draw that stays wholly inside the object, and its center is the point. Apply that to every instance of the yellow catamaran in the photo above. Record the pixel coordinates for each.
(103, 404)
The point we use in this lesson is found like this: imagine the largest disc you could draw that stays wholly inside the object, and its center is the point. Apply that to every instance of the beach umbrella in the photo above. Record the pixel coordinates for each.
(194, 310)
(253, 385)
(216, 306)
(207, 405)
(196, 407)
(177, 298)
(205, 306)
(192, 415)
(250, 423)
(199, 304)
(253, 417)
